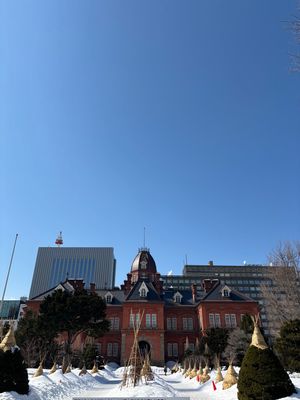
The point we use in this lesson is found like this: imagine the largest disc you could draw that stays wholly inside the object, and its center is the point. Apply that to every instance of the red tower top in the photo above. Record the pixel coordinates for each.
(59, 240)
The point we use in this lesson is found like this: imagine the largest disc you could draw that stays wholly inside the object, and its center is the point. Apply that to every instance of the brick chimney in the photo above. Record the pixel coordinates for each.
(78, 284)
(92, 287)
(208, 284)
(194, 292)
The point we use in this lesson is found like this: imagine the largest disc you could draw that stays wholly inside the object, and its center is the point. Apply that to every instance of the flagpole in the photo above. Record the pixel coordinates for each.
(8, 272)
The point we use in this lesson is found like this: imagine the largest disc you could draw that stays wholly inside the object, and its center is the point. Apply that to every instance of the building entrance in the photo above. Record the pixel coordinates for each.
(144, 348)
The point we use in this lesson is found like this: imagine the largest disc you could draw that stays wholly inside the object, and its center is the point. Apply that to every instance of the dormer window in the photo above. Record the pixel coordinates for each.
(108, 297)
(177, 297)
(143, 290)
(225, 291)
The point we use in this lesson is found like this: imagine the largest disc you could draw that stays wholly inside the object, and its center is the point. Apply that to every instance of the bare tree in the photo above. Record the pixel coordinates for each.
(281, 288)
(237, 345)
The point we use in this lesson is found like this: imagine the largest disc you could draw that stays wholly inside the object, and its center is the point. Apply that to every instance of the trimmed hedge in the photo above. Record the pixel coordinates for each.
(262, 377)
(13, 372)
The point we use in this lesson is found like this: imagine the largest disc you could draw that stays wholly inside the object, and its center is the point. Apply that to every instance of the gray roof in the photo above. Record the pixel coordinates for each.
(118, 296)
(215, 294)
(186, 300)
(152, 294)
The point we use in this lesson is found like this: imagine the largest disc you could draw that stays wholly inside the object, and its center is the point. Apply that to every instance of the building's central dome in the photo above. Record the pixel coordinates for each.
(143, 262)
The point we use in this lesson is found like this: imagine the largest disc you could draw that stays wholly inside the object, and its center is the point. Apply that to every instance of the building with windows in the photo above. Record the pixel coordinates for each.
(11, 311)
(56, 264)
(247, 279)
(167, 316)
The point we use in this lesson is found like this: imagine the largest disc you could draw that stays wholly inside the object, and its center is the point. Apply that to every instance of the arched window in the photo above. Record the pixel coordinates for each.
(143, 292)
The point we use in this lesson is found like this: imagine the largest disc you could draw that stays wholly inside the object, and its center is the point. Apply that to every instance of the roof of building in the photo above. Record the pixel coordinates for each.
(118, 296)
(217, 294)
(66, 285)
(143, 261)
(186, 299)
(151, 295)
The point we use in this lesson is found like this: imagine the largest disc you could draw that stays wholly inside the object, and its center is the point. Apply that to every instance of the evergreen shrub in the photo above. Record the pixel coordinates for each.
(262, 376)
(13, 372)
(288, 345)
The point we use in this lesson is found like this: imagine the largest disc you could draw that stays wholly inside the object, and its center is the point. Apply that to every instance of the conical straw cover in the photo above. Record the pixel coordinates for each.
(257, 338)
(53, 369)
(230, 378)
(219, 376)
(83, 370)
(39, 371)
(94, 369)
(9, 340)
(68, 369)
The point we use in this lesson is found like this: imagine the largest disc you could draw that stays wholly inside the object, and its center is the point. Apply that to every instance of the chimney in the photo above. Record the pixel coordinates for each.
(194, 292)
(92, 287)
(208, 284)
(78, 284)
(211, 263)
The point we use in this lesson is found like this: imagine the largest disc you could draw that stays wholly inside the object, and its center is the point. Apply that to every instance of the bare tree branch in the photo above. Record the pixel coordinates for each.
(281, 289)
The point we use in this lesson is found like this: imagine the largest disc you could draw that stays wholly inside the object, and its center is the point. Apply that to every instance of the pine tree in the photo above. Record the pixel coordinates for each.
(20, 376)
(288, 345)
(13, 372)
(261, 376)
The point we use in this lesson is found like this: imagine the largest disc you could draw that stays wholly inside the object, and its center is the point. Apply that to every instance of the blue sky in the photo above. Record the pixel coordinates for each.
(178, 116)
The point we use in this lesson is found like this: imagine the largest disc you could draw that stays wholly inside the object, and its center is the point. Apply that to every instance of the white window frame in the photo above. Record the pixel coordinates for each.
(154, 321)
(109, 349)
(187, 323)
(172, 349)
(115, 349)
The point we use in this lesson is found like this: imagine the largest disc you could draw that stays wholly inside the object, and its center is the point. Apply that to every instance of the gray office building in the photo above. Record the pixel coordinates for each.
(56, 264)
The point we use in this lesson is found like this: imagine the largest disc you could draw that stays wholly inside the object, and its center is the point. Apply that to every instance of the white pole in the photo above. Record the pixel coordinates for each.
(8, 272)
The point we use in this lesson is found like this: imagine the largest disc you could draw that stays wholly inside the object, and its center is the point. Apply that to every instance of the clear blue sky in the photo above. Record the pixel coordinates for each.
(180, 116)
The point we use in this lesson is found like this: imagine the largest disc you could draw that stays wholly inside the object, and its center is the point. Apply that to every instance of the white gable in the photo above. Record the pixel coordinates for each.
(177, 297)
(143, 290)
(108, 297)
(226, 291)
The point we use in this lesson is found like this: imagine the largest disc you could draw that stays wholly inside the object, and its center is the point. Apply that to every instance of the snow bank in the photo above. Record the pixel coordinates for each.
(106, 383)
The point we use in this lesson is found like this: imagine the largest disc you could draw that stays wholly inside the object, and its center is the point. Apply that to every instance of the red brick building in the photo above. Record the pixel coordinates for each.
(167, 316)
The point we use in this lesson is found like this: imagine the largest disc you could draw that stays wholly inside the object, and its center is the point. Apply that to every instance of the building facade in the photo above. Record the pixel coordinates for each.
(247, 279)
(168, 318)
(11, 312)
(56, 264)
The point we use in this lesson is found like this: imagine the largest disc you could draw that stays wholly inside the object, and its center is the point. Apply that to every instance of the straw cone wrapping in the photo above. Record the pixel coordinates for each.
(219, 376)
(205, 377)
(83, 371)
(68, 369)
(53, 369)
(39, 371)
(193, 372)
(230, 378)
(94, 369)
(257, 338)
(9, 340)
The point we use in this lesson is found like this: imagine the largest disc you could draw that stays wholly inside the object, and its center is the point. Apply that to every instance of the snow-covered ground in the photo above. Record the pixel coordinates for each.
(107, 382)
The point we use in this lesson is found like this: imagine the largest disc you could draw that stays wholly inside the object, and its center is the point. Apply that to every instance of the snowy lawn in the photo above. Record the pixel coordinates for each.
(106, 383)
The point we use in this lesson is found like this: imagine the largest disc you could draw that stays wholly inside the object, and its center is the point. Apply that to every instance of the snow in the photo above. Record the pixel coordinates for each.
(107, 383)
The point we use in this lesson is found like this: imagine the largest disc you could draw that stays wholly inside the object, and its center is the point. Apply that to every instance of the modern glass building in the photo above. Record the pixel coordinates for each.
(56, 264)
